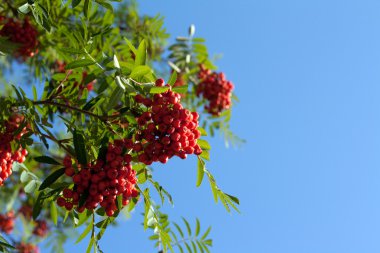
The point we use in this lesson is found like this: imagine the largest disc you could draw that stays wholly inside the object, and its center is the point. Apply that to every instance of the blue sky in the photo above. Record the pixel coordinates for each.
(308, 77)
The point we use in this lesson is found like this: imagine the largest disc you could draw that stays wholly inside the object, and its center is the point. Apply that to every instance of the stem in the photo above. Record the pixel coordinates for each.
(104, 118)
(61, 83)
(138, 82)
(47, 102)
(52, 138)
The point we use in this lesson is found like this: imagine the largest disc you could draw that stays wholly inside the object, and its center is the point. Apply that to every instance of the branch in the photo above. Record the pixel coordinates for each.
(47, 102)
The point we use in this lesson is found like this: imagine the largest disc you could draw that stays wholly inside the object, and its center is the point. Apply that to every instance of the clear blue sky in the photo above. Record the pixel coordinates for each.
(308, 76)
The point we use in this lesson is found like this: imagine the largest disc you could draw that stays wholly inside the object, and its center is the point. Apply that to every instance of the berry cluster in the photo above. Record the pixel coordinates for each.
(26, 210)
(102, 182)
(216, 89)
(27, 248)
(41, 228)
(165, 128)
(20, 33)
(7, 222)
(7, 157)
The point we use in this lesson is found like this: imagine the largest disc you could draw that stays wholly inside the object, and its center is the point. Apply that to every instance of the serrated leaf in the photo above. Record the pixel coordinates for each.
(233, 198)
(204, 144)
(83, 217)
(204, 236)
(31, 186)
(188, 247)
(89, 247)
(105, 4)
(181, 89)
(74, 3)
(46, 159)
(131, 47)
(24, 177)
(86, 7)
(197, 227)
(156, 89)
(116, 96)
(6, 245)
(24, 9)
(173, 78)
(90, 104)
(200, 173)
(179, 229)
(194, 247)
(203, 131)
(52, 178)
(180, 248)
(80, 147)
(38, 205)
(141, 54)
(54, 213)
(119, 82)
(205, 155)
(116, 62)
(84, 233)
(79, 63)
(139, 72)
(187, 226)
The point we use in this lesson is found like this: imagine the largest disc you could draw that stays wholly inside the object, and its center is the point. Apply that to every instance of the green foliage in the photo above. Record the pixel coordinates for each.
(93, 57)
(191, 241)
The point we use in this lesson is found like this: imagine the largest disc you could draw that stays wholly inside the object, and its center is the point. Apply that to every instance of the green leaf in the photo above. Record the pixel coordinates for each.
(201, 173)
(54, 213)
(141, 54)
(181, 89)
(194, 247)
(131, 47)
(233, 198)
(105, 4)
(83, 217)
(85, 232)
(156, 89)
(24, 9)
(187, 226)
(89, 247)
(31, 186)
(173, 78)
(116, 96)
(139, 72)
(52, 178)
(197, 227)
(90, 104)
(75, 3)
(204, 144)
(86, 7)
(119, 82)
(202, 130)
(80, 147)
(204, 236)
(179, 229)
(6, 245)
(205, 155)
(38, 205)
(25, 176)
(188, 247)
(116, 62)
(46, 159)
(79, 63)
